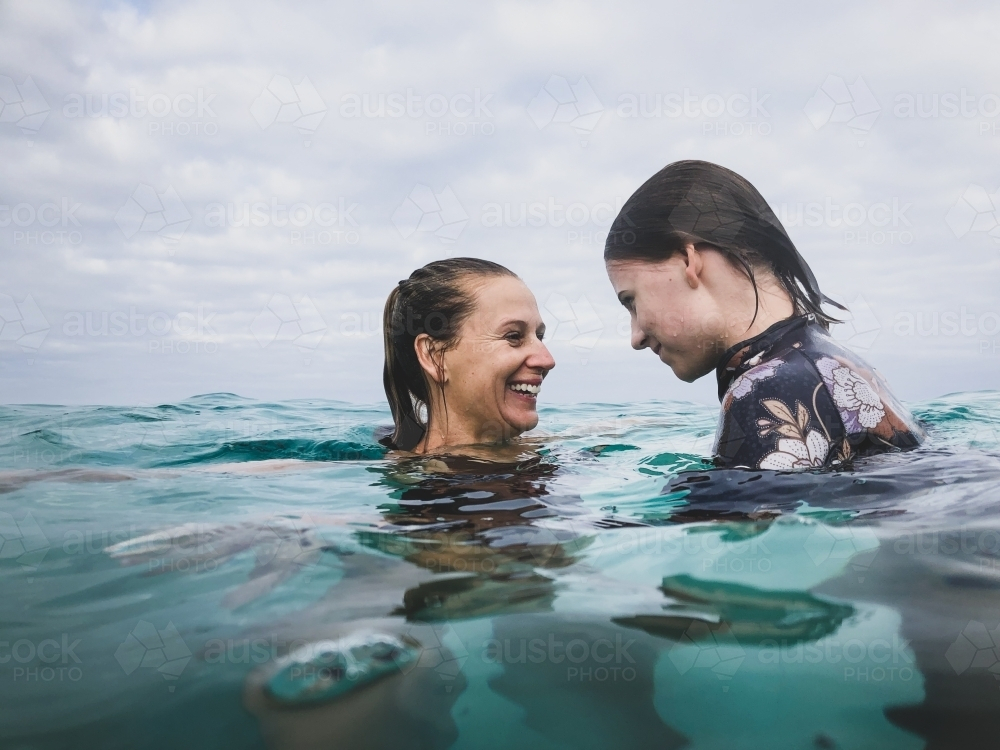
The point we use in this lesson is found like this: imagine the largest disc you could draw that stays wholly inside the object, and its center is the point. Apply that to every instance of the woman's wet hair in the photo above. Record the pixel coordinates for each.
(700, 203)
(435, 300)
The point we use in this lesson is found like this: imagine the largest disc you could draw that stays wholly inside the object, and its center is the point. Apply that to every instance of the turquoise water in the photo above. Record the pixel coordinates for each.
(223, 572)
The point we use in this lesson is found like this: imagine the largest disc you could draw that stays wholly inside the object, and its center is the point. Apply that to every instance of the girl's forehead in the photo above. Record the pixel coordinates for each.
(635, 272)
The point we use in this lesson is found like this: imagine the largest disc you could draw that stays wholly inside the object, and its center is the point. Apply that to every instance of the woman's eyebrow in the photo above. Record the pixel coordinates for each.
(514, 321)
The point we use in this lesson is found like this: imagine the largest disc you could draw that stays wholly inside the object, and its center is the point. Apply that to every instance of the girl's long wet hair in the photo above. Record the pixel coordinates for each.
(700, 203)
(435, 300)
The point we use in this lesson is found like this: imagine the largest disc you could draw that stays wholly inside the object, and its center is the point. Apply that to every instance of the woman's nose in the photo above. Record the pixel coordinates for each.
(541, 358)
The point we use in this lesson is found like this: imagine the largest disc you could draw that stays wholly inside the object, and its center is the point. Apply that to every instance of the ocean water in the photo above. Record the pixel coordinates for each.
(224, 572)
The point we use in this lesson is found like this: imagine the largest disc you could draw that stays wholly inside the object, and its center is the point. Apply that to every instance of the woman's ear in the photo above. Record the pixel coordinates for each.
(431, 359)
(694, 263)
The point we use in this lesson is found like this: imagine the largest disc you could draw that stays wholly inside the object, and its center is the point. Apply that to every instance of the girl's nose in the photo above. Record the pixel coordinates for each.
(638, 336)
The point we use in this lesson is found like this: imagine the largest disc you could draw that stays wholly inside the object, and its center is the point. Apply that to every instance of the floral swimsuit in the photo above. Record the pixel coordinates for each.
(793, 398)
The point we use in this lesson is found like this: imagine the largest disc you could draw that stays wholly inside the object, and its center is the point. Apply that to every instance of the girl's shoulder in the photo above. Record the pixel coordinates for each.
(863, 398)
(808, 388)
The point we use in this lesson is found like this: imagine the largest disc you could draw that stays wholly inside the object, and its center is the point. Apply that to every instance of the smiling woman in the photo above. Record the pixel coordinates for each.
(464, 358)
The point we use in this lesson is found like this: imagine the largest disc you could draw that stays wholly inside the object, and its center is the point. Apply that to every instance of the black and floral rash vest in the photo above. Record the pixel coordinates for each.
(793, 398)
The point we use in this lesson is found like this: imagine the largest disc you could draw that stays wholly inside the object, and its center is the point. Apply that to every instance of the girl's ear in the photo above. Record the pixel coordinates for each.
(693, 265)
(431, 359)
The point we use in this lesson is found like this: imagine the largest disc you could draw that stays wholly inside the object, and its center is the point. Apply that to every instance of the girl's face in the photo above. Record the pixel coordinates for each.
(674, 310)
(493, 374)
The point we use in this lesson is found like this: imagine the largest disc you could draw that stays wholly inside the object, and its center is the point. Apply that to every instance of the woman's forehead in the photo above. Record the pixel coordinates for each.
(506, 297)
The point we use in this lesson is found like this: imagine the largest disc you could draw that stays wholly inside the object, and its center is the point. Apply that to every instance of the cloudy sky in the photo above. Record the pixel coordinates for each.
(217, 196)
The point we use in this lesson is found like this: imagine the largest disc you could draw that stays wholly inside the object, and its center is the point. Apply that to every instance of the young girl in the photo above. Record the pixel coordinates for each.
(713, 282)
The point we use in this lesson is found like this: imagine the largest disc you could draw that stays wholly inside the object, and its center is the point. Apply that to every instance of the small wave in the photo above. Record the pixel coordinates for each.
(304, 450)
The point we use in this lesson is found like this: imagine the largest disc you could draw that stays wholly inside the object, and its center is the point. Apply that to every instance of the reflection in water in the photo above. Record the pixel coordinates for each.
(493, 526)
(582, 683)
(875, 488)
(479, 596)
(469, 519)
(466, 538)
(946, 584)
(282, 547)
(468, 595)
(501, 533)
(407, 707)
(475, 527)
(750, 615)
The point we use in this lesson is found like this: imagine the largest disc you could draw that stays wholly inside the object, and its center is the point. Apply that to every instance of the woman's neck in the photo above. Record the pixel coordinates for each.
(451, 432)
(436, 439)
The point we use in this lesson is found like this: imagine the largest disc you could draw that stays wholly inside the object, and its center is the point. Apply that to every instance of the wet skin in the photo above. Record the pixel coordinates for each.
(692, 307)
(475, 386)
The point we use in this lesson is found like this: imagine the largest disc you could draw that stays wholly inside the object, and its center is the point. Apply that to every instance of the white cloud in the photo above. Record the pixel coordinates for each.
(279, 74)
(281, 101)
(22, 105)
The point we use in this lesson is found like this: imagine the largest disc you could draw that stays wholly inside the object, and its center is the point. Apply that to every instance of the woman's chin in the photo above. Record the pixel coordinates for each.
(522, 422)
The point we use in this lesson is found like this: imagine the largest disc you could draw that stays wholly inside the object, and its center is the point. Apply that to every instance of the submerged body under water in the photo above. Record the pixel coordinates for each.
(228, 573)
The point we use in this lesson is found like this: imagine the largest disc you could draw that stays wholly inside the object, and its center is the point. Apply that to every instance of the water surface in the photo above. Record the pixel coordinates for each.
(224, 572)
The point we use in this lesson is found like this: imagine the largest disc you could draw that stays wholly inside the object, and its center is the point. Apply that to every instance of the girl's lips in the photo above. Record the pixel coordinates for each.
(658, 351)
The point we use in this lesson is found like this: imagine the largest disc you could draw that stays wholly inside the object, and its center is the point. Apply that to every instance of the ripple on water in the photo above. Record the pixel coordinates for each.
(265, 574)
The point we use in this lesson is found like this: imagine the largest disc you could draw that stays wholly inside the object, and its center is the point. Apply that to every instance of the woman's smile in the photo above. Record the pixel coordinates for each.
(501, 342)
(526, 389)
(484, 386)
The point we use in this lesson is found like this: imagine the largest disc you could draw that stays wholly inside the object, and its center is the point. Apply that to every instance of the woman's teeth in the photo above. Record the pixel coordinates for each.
(525, 388)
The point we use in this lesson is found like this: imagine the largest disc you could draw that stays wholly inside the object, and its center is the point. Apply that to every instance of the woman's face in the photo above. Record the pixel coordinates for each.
(672, 312)
(494, 372)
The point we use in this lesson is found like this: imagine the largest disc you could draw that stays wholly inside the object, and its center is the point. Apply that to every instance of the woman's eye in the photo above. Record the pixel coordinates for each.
(513, 337)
